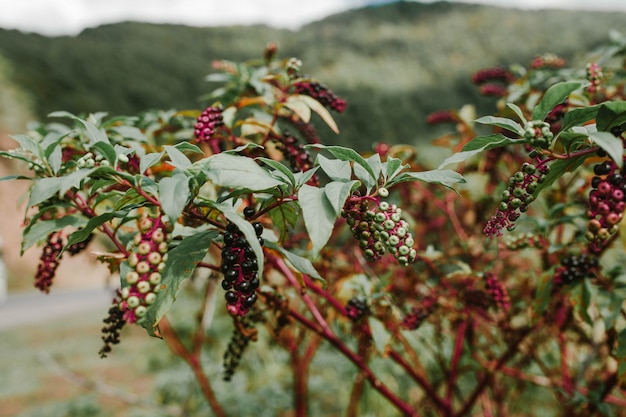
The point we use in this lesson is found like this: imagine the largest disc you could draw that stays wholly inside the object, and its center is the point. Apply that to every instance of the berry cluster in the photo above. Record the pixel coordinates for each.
(497, 291)
(243, 333)
(414, 319)
(356, 308)
(207, 122)
(147, 261)
(575, 268)
(523, 241)
(594, 75)
(442, 116)
(381, 229)
(516, 198)
(493, 81)
(77, 248)
(297, 156)
(240, 267)
(548, 60)
(538, 134)
(321, 93)
(49, 262)
(607, 201)
(114, 323)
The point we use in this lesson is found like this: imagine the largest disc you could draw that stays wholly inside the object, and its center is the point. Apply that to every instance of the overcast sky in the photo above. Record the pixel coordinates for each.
(69, 17)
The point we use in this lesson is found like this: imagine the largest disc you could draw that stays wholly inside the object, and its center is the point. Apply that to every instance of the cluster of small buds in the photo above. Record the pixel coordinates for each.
(207, 123)
(442, 116)
(293, 66)
(575, 268)
(49, 261)
(297, 156)
(89, 160)
(493, 90)
(523, 241)
(114, 323)
(240, 267)
(497, 291)
(516, 198)
(538, 134)
(322, 94)
(380, 229)
(595, 76)
(356, 308)
(489, 75)
(147, 261)
(77, 248)
(548, 60)
(243, 333)
(607, 201)
(414, 319)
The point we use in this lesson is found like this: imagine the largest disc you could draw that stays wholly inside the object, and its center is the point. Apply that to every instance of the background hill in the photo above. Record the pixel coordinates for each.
(394, 63)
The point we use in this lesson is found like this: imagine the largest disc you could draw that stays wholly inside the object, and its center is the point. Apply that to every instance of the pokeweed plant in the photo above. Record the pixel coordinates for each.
(482, 284)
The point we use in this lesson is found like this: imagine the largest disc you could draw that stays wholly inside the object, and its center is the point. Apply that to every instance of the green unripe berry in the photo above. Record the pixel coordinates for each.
(369, 254)
(506, 195)
(133, 301)
(383, 235)
(154, 278)
(141, 311)
(518, 176)
(516, 203)
(503, 206)
(409, 240)
(369, 214)
(150, 298)
(389, 224)
(404, 250)
(125, 292)
(142, 267)
(529, 168)
(383, 206)
(122, 158)
(380, 217)
(379, 247)
(532, 187)
(518, 192)
(158, 236)
(383, 192)
(395, 217)
(133, 259)
(401, 232)
(154, 258)
(403, 260)
(132, 277)
(143, 286)
(393, 240)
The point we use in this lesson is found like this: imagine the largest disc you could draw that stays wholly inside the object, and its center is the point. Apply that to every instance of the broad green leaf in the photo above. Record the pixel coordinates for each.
(347, 154)
(502, 122)
(392, 167)
(299, 106)
(319, 216)
(40, 229)
(620, 355)
(304, 177)
(181, 262)
(557, 169)
(337, 192)
(445, 177)
(301, 264)
(149, 160)
(375, 164)
(612, 145)
(74, 179)
(43, 189)
(554, 96)
(236, 171)
(579, 116)
(29, 144)
(283, 216)
(336, 169)
(177, 158)
(188, 147)
(174, 194)
(380, 334)
(105, 149)
(477, 145)
(611, 114)
(281, 168)
(55, 159)
(130, 132)
(517, 111)
(321, 111)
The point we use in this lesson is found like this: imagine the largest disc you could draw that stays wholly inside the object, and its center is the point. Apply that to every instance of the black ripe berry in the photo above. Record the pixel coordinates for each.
(249, 212)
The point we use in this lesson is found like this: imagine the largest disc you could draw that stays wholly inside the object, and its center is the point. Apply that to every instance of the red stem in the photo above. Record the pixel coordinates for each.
(456, 357)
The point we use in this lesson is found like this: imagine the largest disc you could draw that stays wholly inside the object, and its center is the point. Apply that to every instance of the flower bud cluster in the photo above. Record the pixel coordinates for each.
(380, 229)
(240, 268)
(49, 262)
(243, 333)
(89, 160)
(322, 94)
(414, 319)
(356, 308)
(493, 81)
(516, 198)
(206, 124)
(147, 261)
(595, 76)
(575, 268)
(607, 201)
(114, 323)
(548, 60)
(539, 134)
(297, 156)
(497, 291)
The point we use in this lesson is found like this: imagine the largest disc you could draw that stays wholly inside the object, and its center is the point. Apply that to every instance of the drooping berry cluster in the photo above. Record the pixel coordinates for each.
(147, 261)
(516, 198)
(414, 319)
(607, 201)
(380, 229)
(114, 323)
(442, 116)
(206, 124)
(243, 333)
(240, 268)
(49, 261)
(497, 291)
(493, 81)
(77, 248)
(356, 308)
(321, 93)
(575, 268)
(298, 157)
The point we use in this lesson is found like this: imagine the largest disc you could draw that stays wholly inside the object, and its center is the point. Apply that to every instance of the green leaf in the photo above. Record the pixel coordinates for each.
(445, 177)
(347, 154)
(301, 264)
(319, 216)
(557, 169)
(29, 144)
(149, 160)
(181, 262)
(236, 171)
(177, 158)
(174, 194)
(520, 114)
(281, 168)
(502, 122)
(579, 116)
(620, 355)
(554, 96)
(611, 114)
(188, 147)
(40, 229)
(392, 167)
(129, 132)
(43, 189)
(74, 179)
(105, 149)
(94, 222)
(380, 334)
(283, 216)
(336, 169)
(612, 145)
(477, 145)
(337, 192)
(321, 111)
(55, 159)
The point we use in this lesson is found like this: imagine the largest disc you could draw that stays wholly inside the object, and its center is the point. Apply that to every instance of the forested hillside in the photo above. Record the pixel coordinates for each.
(394, 63)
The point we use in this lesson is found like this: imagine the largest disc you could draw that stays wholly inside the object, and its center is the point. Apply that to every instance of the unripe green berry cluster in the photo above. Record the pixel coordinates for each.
(146, 260)
(539, 134)
(381, 229)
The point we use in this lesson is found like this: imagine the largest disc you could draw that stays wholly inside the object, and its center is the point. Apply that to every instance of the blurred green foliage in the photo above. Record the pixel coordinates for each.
(394, 63)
